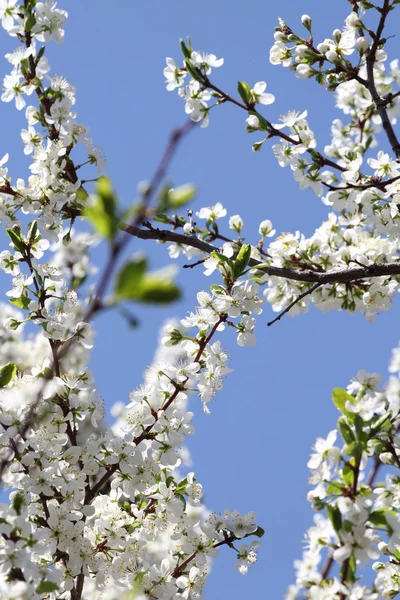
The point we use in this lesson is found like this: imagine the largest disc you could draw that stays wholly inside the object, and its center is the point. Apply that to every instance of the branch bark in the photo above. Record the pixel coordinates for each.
(307, 276)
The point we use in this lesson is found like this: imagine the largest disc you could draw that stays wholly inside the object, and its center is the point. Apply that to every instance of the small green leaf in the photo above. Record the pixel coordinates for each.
(14, 234)
(18, 502)
(335, 517)
(348, 475)
(351, 571)
(185, 50)
(30, 21)
(154, 290)
(134, 284)
(81, 194)
(380, 421)
(339, 398)
(345, 431)
(378, 517)
(45, 587)
(359, 424)
(193, 71)
(21, 302)
(32, 231)
(161, 218)
(181, 195)
(244, 91)
(129, 277)
(259, 532)
(354, 449)
(7, 374)
(242, 260)
(137, 585)
(181, 487)
(102, 213)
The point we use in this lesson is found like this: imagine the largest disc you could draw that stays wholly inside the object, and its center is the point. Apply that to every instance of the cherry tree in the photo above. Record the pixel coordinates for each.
(99, 511)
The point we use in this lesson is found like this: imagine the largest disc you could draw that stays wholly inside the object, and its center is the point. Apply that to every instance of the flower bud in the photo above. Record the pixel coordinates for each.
(386, 458)
(362, 44)
(265, 229)
(353, 20)
(304, 71)
(252, 123)
(323, 47)
(236, 223)
(187, 228)
(337, 35)
(279, 36)
(332, 56)
(11, 324)
(306, 21)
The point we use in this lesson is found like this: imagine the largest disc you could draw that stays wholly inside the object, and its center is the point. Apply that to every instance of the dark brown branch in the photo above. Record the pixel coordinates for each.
(272, 131)
(307, 276)
(379, 102)
(296, 301)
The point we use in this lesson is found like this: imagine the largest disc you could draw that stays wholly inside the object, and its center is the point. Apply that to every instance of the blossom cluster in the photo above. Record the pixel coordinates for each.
(95, 510)
(358, 520)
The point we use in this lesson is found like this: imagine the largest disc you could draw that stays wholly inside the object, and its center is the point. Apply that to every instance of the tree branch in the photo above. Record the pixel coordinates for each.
(379, 102)
(307, 276)
(296, 301)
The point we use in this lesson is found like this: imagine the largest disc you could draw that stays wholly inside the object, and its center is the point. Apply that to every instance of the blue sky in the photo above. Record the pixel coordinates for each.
(251, 452)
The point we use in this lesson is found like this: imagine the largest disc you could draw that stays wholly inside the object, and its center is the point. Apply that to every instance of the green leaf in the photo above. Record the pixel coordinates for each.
(193, 71)
(185, 50)
(335, 517)
(377, 517)
(359, 423)
(339, 398)
(161, 218)
(45, 587)
(354, 449)
(335, 489)
(242, 260)
(137, 585)
(181, 195)
(181, 487)
(81, 194)
(173, 198)
(259, 532)
(348, 475)
(18, 502)
(345, 431)
(134, 284)
(14, 234)
(129, 277)
(102, 213)
(30, 21)
(7, 374)
(21, 302)
(378, 424)
(32, 231)
(244, 91)
(351, 571)
(261, 266)
(154, 290)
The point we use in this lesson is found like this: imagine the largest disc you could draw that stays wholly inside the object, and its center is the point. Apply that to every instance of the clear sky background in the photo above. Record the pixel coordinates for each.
(251, 452)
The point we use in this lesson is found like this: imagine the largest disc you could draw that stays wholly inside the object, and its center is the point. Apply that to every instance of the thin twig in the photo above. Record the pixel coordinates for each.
(296, 301)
